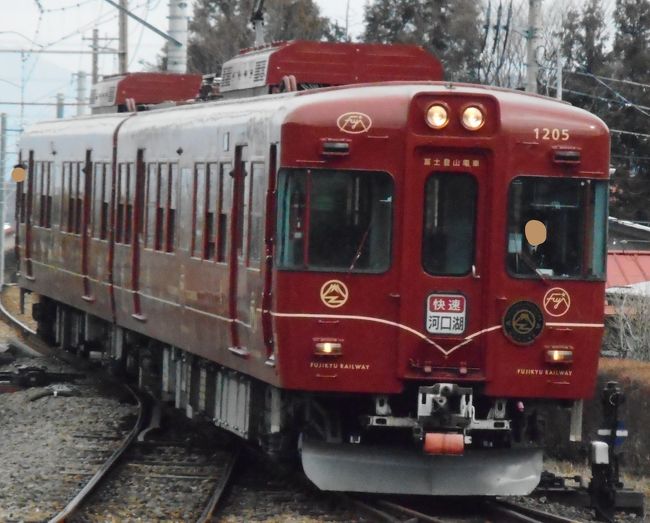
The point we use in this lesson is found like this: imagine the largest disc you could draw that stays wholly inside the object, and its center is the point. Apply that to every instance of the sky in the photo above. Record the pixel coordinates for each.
(65, 25)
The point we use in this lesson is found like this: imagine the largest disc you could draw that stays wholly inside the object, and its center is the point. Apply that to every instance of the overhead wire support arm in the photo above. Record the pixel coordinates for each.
(146, 24)
(257, 19)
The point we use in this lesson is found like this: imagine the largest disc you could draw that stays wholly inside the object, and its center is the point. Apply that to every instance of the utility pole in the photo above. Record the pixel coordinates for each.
(558, 91)
(81, 92)
(95, 56)
(123, 53)
(177, 56)
(534, 9)
(3, 159)
(59, 105)
(347, 20)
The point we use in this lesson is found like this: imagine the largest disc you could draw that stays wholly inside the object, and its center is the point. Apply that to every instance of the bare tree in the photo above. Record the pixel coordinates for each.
(504, 38)
(628, 329)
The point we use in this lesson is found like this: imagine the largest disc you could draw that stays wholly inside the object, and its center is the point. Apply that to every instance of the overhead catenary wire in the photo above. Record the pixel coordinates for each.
(66, 7)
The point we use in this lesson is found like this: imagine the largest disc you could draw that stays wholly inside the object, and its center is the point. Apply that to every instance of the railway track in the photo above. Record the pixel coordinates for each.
(173, 462)
(165, 471)
(492, 510)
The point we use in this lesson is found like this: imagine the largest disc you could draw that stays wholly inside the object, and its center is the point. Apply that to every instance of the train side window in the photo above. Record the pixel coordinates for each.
(170, 244)
(55, 192)
(242, 218)
(46, 205)
(78, 203)
(211, 201)
(97, 198)
(449, 224)
(256, 208)
(37, 179)
(151, 197)
(130, 197)
(65, 195)
(161, 198)
(120, 191)
(224, 209)
(20, 200)
(72, 194)
(198, 218)
(106, 202)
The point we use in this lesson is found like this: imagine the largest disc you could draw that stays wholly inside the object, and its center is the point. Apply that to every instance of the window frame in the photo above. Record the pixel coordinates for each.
(306, 215)
(451, 174)
(555, 278)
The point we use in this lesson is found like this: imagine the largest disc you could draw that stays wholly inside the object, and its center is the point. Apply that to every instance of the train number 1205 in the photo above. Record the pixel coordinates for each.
(557, 135)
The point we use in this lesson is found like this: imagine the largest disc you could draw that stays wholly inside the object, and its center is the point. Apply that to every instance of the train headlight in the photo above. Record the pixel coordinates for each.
(564, 356)
(472, 118)
(328, 348)
(437, 116)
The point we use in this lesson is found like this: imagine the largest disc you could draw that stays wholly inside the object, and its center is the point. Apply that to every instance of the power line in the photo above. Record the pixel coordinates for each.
(38, 103)
(628, 82)
(618, 131)
(619, 95)
(67, 7)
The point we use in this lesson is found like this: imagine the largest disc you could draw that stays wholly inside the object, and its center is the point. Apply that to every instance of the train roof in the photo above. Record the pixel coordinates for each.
(316, 108)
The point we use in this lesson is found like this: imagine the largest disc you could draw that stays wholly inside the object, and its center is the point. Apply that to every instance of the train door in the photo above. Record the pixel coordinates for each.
(137, 195)
(248, 248)
(85, 224)
(443, 278)
(239, 312)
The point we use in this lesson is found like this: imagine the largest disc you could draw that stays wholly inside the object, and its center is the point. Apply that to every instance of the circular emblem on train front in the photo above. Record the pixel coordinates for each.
(557, 302)
(354, 123)
(523, 322)
(334, 293)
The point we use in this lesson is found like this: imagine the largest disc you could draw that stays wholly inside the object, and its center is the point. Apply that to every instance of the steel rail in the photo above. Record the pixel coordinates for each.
(521, 513)
(379, 514)
(220, 487)
(420, 516)
(22, 326)
(83, 494)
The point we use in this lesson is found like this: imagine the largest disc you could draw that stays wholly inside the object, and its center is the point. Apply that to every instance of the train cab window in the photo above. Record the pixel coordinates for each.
(569, 216)
(449, 224)
(334, 220)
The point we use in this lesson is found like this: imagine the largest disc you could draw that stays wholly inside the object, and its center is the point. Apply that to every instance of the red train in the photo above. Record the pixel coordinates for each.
(389, 270)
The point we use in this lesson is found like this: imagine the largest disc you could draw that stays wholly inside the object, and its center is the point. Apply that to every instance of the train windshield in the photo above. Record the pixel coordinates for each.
(557, 228)
(334, 220)
(449, 224)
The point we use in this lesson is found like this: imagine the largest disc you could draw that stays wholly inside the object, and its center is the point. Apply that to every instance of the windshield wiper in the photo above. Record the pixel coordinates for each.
(534, 267)
(357, 255)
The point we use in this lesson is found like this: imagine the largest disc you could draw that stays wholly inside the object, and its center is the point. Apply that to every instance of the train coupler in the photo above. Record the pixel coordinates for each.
(445, 444)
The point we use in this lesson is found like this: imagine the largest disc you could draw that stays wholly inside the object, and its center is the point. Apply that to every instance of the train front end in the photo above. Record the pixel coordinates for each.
(440, 264)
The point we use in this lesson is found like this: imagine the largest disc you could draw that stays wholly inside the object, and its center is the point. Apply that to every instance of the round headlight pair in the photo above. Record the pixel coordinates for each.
(472, 118)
